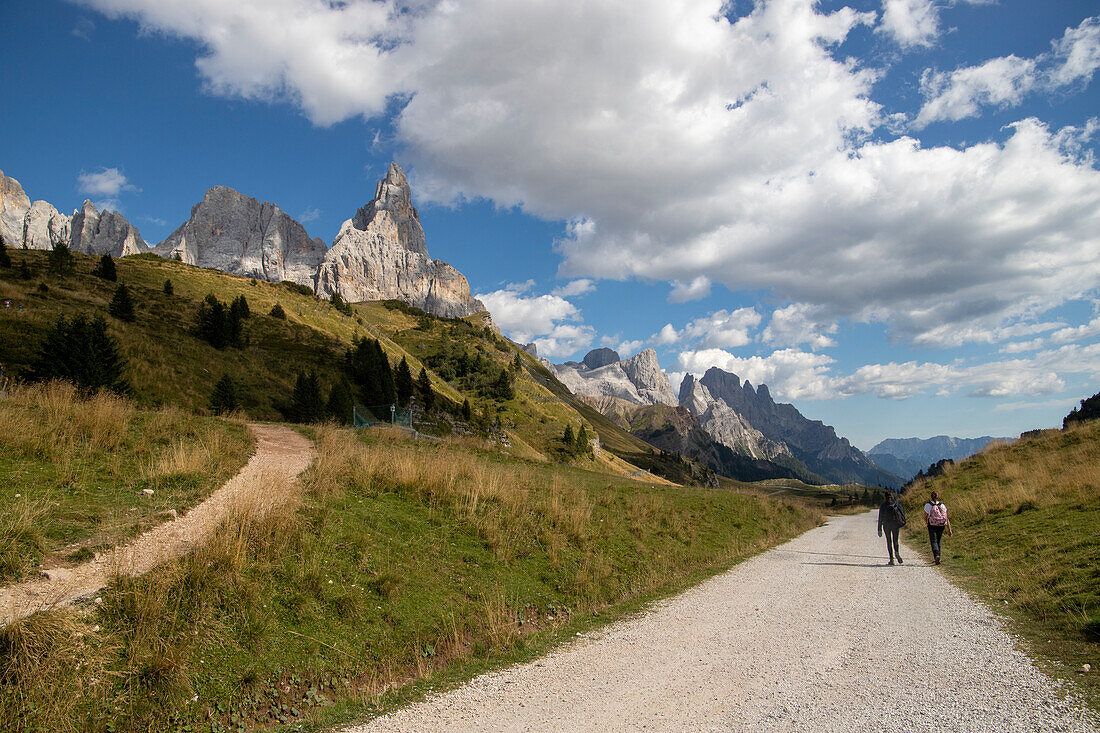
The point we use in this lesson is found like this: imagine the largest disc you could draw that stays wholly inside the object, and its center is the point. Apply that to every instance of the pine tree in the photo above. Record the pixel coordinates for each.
(386, 389)
(582, 446)
(5, 258)
(105, 268)
(502, 388)
(467, 411)
(62, 261)
(403, 383)
(569, 440)
(122, 306)
(278, 312)
(224, 399)
(339, 304)
(306, 405)
(517, 363)
(424, 389)
(340, 402)
(81, 351)
(168, 289)
(239, 309)
(212, 322)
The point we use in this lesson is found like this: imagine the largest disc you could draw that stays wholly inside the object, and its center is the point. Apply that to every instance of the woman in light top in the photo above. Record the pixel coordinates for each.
(935, 516)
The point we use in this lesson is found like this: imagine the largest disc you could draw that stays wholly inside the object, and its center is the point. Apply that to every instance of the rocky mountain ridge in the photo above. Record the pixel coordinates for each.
(907, 456)
(39, 225)
(379, 254)
(638, 379)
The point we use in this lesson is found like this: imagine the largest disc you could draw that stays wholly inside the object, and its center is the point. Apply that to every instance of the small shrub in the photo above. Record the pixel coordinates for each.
(168, 289)
(340, 304)
(296, 288)
(278, 312)
(43, 288)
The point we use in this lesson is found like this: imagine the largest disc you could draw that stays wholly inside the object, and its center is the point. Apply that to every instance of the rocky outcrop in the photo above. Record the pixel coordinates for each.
(725, 425)
(811, 441)
(44, 226)
(239, 234)
(95, 233)
(380, 254)
(638, 379)
(41, 226)
(600, 358)
(14, 204)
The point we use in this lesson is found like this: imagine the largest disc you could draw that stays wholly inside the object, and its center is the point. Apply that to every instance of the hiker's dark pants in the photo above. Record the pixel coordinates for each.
(892, 540)
(934, 535)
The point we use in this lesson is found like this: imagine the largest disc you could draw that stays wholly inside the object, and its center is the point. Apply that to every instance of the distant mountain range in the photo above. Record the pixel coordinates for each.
(727, 425)
(379, 254)
(908, 456)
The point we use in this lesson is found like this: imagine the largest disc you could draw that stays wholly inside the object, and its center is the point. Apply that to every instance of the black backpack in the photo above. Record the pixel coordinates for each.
(899, 515)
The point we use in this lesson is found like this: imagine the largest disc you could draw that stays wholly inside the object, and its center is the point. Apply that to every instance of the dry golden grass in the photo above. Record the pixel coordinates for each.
(1014, 476)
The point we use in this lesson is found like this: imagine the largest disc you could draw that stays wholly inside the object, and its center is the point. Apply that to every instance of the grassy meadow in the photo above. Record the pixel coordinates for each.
(73, 471)
(403, 565)
(1026, 519)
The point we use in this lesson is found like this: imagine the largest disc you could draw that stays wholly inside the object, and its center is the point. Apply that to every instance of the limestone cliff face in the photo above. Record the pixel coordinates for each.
(725, 425)
(44, 226)
(811, 441)
(13, 208)
(638, 379)
(380, 254)
(238, 234)
(41, 226)
(94, 233)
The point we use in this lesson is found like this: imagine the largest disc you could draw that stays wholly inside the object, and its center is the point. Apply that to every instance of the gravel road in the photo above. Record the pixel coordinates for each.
(818, 634)
(281, 454)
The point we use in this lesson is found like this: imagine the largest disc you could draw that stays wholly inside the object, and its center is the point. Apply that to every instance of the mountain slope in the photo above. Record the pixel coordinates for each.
(811, 441)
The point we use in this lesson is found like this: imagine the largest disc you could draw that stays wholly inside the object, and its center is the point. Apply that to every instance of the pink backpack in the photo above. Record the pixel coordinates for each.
(937, 515)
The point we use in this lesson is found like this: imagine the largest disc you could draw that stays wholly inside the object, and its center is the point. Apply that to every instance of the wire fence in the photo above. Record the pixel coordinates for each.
(372, 415)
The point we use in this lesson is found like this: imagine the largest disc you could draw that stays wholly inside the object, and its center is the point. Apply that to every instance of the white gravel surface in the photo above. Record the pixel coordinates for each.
(818, 634)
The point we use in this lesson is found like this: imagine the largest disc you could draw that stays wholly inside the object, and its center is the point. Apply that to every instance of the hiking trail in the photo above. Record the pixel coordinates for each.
(817, 634)
(280, 455)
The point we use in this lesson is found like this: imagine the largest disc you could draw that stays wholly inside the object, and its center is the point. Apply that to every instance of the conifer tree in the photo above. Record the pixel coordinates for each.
(403, 383)
(424, 389)
(5, 258)
(582, 447)
(339, 304)
(122, 306)
(517, 363)
(239, 309)
(569, 440)
(386, 389)
(467, 411)
(223, 399)
(62, 261)
(212, 322)
(105, 268)
(340, 402)
(278, 312)
(306, 405)
(502, 388)
(168, 289)
(81, 351)
(24, 271)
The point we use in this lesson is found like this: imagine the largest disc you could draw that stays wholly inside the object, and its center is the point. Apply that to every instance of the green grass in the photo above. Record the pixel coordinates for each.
(72, 472)
(405, 565)
(170, 366)
(1026, 522)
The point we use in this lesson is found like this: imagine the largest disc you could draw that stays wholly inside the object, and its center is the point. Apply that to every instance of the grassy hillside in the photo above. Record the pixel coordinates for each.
(1027, 539)
(73, 472)
(405, 564)
(168, 365)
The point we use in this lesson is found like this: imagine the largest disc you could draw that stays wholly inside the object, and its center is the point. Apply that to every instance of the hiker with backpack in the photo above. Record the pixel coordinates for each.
(891, 517)
(935, 515)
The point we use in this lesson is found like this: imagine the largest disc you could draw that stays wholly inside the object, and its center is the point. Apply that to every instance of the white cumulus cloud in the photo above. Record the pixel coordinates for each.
(798, 324)
(910, 22)
(550, 321)
(724, 329)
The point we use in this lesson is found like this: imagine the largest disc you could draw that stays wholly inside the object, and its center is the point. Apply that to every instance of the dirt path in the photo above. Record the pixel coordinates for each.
(818, 634)
(281, 454)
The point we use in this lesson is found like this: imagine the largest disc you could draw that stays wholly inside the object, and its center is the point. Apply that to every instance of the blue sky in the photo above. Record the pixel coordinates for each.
(886, 210)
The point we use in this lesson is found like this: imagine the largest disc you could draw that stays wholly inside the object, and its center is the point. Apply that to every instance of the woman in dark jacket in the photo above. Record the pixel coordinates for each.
(891, 517)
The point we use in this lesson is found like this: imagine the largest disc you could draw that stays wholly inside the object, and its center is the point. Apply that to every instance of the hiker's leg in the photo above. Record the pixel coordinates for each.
(894, 534)
(933, 541)
(889, 547)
